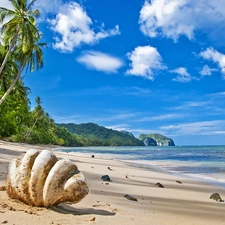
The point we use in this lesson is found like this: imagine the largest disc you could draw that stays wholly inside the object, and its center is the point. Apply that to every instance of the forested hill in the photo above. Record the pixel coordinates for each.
(99, 135)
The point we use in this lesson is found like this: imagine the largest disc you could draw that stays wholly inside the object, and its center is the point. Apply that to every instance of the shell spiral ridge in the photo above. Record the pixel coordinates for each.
(40, 179)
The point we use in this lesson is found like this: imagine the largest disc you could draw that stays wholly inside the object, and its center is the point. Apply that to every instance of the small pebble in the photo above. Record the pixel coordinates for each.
(130, 198)
(159, 185)
(105, 178)
(93, 219)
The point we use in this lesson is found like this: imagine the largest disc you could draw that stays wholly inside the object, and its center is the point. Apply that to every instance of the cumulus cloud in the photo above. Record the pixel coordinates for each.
(100, 61)
(183, 76)
(173, 18)
(144, 61)
(216, 57)
(207, 71)
(73, 28)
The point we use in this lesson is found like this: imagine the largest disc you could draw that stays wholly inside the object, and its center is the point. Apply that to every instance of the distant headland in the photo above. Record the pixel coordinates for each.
(94, 135)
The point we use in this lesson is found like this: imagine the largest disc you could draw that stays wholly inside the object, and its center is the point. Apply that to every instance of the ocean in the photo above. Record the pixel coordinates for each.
(205, 163)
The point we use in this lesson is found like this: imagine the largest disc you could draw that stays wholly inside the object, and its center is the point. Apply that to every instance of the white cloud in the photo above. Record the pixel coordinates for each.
(183, 75)
(144, 61)
(100, 61)
(216, 57)
(6, 4)
(162, 117)
(192, 104)
(200, 128)
(207, 71)
(173, 18)
(118, 127)
(45, 7)
(73, 28)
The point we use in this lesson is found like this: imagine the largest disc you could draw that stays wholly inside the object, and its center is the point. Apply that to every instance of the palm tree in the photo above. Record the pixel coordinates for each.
(38, 112)
(32, 58)
(21, 26)
(9, 72)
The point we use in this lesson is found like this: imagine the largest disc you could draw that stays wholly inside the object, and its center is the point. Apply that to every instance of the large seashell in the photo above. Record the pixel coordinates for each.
(40, 179)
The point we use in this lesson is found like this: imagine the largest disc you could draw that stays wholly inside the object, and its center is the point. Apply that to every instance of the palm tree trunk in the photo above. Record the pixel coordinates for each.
(34, 123)
(8, 52)
(13, 84)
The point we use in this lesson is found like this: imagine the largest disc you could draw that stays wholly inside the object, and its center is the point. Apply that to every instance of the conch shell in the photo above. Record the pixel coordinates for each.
(40, 179)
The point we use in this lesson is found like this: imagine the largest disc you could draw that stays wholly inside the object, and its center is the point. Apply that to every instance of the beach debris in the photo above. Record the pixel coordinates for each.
(101, 205)
(179, 182)
(93, 156)
(127, 176)
(216, 197)
(105, 178)
(109, 168)
(4, 222)
(40, 179)
(93, 219)
(129, 197)
(159, 185)
(2, 188)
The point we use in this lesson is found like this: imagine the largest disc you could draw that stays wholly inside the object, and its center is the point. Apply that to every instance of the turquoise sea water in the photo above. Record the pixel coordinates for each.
(202, 162)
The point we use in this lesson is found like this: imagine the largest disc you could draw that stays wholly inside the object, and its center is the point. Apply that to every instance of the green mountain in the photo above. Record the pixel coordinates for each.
(96, 135)
(156, 139)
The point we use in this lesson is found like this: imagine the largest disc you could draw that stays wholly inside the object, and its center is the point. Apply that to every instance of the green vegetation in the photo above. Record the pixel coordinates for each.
(21, 52)
(20, 37)
(20, 124)
(158, 138)
(100, 136)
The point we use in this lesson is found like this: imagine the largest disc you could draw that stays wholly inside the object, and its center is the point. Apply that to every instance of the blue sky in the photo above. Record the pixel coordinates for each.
(141, 66)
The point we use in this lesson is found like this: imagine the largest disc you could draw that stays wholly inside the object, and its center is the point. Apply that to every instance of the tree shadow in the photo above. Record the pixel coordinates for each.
(67, 209)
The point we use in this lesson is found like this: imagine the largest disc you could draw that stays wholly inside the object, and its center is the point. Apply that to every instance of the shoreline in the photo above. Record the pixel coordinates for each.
(148, 165)
(184, 204)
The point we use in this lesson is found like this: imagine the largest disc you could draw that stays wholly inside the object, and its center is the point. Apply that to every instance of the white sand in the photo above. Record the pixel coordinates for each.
(175, 204)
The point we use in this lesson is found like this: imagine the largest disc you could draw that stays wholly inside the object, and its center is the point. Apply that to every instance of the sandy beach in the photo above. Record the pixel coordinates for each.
(185, 203)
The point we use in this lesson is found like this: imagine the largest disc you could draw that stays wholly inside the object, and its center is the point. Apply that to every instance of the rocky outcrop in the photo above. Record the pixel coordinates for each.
(156, 140)
(149, 142)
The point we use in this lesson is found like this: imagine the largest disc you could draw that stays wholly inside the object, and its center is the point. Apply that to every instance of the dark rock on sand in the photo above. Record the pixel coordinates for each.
(159, 185)
(216, 197)
(93, 219)
(179, 182)
(105, 178)
(130, 198)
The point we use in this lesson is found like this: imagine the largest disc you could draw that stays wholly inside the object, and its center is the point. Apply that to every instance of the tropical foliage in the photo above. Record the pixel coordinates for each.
(21, 52)
(20, 39)
(96, 135)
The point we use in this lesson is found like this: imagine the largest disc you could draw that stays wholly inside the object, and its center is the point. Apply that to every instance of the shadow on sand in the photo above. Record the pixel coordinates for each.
(67, 209)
